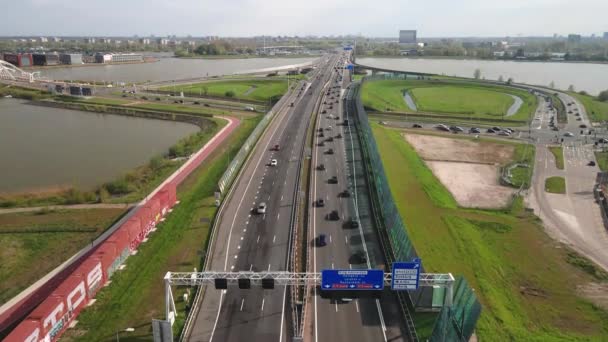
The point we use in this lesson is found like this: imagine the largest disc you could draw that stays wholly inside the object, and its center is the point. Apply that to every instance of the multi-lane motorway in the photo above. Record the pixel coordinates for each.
(247, 240)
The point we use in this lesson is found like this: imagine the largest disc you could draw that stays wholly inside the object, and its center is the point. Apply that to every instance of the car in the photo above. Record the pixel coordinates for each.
(510, 130)
(569, 112)
(331, 107)
(603, 141)
(261, 208)
(321, 135)
(330, 116)
(456, 129)
(497, 129)
(324, 111)
(333, 180)
(504, 133)
(339, 136)
(490, 130)
(276, 147)
(320, 203)
(416, 126)
(353, 223)
(345, 122)
(474, 130)
(330, 139)
(583, 126)
(330, 151)
(337, 118)
(321, 167)
(328, 128)
(591, 163)
(344, 193)
(273, 162)
(333, 216)
(579, 119)
(568, 134)
(555, 128)
(442, 127)
(321, 240)
(359, 258)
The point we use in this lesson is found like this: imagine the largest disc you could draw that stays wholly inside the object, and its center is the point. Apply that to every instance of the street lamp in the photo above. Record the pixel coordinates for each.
(127, 330)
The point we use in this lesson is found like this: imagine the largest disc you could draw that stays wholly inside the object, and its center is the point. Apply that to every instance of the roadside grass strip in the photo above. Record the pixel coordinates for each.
(555, 185)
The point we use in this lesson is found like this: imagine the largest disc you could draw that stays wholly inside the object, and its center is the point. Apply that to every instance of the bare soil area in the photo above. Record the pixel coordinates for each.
(468, 169)
(432, 147)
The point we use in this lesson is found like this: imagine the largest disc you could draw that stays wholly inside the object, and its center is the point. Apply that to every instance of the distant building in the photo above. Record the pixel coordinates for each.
(43, 39)
(498, 53)
(55, 40)
(407, 37)
(45, 59)
(126, 57)
(19, 59)
(574, 38)
(162, 41)
(105, 40)
(89, 40)
(70, 58)
(103, 58)
(606, 35)
(144, 41)
(558, 56)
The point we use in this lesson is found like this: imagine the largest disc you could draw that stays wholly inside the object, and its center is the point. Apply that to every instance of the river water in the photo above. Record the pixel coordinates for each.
(43, 148)
(592, 78)
(167, 69)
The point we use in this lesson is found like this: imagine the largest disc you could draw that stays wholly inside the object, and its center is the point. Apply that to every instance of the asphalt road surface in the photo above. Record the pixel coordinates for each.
(364, 319)
(247, 240)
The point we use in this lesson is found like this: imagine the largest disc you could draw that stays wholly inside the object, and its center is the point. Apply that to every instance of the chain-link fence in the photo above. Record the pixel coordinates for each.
(453, 324)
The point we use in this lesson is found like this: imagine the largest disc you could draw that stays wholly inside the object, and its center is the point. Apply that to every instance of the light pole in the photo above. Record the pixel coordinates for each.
(127, 330)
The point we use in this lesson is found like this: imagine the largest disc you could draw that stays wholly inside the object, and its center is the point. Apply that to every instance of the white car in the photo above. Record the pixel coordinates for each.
(262, 208)
(273, 162)
(568, 134)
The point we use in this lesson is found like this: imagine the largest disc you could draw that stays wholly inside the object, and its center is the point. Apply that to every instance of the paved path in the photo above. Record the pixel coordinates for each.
(69, 207)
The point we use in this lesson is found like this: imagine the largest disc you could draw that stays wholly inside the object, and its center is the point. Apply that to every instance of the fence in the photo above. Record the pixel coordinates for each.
(453, 324)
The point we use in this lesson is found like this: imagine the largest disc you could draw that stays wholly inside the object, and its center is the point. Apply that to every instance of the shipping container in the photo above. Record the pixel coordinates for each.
(107, 253)
(39, 59)
(29, 330)
(51, 312)
(19, 59)
(92, 271)
(74, 290)
(121, 238)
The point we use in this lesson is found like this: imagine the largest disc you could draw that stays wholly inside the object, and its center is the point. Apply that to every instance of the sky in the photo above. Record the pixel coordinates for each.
(244, 18)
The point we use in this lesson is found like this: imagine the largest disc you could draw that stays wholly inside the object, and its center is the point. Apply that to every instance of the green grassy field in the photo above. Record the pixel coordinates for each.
(555, 185)
(254, 89)
(522, 277)
(558, 153)
(136, 294)
(596, 110)
(466, 99)
(44, 239)
(602, 160)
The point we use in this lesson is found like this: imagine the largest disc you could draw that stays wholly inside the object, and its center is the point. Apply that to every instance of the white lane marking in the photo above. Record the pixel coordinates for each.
(263, 300)
(332, 266)
(250, 267)
(244, 230)
(274, 238)
(357, 304)
(242, 238)
(346, 240)
(278, 215)
(217, 318)
(268, 267)
(281, 197)
(283, 313)
(336, 303)
(258, 241)
(264, 216)
(232, 267)
(236, 256)
(242, 303)
(238, 247)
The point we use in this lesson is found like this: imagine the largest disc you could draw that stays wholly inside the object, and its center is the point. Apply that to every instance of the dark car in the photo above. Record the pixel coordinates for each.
(603, 141)
(333, 180)
(321, 144)
(345, 193)
(496, 128)
(353, 223)
(330, 139)
(321, 240)
(330, 151)
(320, 202)
(456, 129)
(416, 126)
(583, 126)
(321, 167)
(333, 215)
(358, 258)
(474, 130)
(339, 136)
(490, 130)
(591, 163)
(324, 111)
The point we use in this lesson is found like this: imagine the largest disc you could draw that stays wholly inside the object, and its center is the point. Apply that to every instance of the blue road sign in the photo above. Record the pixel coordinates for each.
(406, 276)
(352, 279)
(350, 67)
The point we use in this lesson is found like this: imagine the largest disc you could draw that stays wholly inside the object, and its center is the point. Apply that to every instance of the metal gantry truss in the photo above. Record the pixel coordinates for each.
(11, 73)
(445, 280)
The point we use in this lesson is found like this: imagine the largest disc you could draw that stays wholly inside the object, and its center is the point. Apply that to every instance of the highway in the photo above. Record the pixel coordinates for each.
(335, 149)
(247, 241)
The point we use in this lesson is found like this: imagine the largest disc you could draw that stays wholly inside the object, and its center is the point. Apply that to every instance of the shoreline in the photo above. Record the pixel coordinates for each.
(468, 58)
(59, 66)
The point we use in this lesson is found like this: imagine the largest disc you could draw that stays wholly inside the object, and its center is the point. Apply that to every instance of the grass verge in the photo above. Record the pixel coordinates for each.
(555, 185)
(602, 160)
(254, 89)
(43, 240)
(558, 153)
(521, 276)
(136, 293)
(596, 110)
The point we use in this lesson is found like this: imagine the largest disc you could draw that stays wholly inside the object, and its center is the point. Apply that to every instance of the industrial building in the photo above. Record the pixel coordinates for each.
(103, 58)
(407, 37)
(574, 38)
(43, 59)
(19, 59)
(127, 57)
(71, 58)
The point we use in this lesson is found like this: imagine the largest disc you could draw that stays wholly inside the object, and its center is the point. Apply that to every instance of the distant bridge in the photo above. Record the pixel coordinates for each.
(376, 69)
(10, 72)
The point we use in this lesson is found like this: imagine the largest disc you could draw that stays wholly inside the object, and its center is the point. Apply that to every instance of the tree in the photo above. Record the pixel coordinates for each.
(552, 85)
(510, 80)
(571, 87)
(501, 79)
(477, 74)
(603, 96)
(230, 93)
(205, 90)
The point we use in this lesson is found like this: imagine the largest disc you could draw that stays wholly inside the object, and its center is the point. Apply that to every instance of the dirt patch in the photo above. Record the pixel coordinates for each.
(431, 147)
(472, 185)
(597, 293)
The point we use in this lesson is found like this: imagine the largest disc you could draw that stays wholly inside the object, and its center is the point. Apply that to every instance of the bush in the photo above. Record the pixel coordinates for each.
(230, 93)
(118, 187)
(603, 96)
